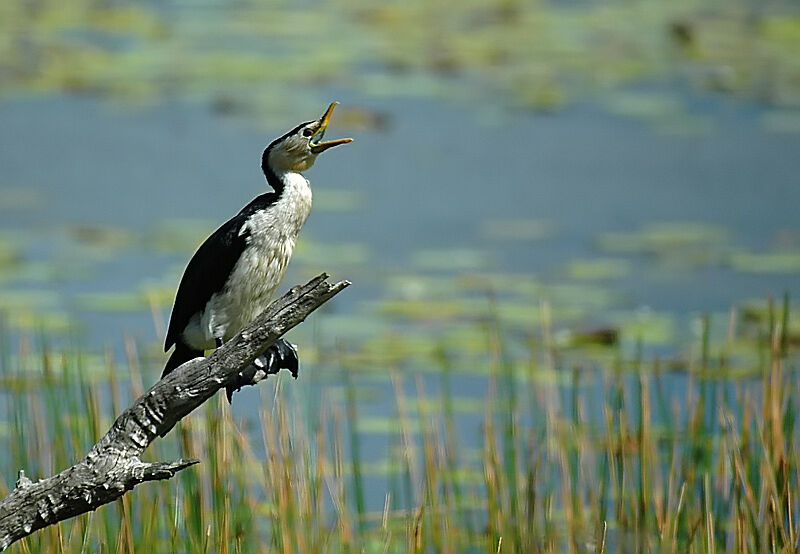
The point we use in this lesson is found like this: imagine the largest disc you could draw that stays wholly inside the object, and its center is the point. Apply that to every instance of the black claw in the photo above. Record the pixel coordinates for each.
(286, 357)
(281, 355)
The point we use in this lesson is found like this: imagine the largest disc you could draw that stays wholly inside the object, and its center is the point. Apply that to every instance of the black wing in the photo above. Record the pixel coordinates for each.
(210, 267)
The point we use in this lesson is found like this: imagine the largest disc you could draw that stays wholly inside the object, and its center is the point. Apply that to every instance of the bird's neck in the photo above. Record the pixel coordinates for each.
(286, 213)
(280, 180)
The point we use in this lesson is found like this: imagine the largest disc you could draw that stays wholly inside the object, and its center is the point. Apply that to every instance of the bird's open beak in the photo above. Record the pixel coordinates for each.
(317, 146)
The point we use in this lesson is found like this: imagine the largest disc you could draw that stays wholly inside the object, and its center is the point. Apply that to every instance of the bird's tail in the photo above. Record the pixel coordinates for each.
(181, 355)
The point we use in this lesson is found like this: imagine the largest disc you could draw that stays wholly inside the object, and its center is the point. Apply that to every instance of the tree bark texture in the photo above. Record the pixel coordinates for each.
(113, 465)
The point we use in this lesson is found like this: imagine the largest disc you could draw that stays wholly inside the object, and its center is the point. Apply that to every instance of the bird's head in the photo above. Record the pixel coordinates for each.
(298, 149)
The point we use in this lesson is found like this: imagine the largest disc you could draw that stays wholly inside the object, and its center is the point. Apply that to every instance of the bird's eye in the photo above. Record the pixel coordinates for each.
(307, 132)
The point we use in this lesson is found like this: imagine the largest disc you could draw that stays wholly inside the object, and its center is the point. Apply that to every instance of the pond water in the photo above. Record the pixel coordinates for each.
(609, 218)
(442, 189)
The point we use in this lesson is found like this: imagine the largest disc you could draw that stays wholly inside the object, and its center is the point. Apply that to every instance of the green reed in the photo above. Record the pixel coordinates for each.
(572, 457)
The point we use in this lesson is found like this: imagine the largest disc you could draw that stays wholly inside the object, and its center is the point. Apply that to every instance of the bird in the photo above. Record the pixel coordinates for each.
(233, 275)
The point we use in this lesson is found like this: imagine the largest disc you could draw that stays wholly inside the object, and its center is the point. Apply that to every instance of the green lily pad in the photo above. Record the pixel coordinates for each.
(384, 425)
(647, 326)
(766, 262)
(112, 302)
(419, 286)
(9, 254)
(180, 235)
(598, 269)
(645, 105)
(698, 241)
(27, 300)
(431, 309)
(49, 320)
(105, 238)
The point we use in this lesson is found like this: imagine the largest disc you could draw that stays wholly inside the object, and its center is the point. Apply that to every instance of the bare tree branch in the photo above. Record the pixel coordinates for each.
(113, 467)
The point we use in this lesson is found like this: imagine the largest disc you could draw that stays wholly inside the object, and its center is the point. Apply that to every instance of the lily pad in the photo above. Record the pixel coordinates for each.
(180, 235)
(9, 254)
(766, 262)
(646, 326)
(103, 239)
(598, 269)
(384, 425)
(432, 309)
(414, 286)
(112, 302)
(27, 299)
(54, 321)
(645, 105)
(665, 239)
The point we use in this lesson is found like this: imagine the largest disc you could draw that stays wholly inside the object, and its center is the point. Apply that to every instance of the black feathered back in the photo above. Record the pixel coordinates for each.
(210, 267)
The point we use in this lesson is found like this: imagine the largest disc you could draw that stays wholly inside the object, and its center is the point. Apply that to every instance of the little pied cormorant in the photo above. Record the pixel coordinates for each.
(233, 275)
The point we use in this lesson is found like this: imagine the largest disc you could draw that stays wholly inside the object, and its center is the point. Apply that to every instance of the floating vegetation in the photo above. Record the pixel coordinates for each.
(681, 245)
(412, 286)
(601, 336)
(349, 326)
(536, 55)
(382, 425)
(646, 326)
(765, 262)
(180, 235)
(653, 106)
(28, 299)
(9, 253)
(432, 309)
(598, 269)
(330, 255)
(101, 237)
(758, 315)
(510, 283)
(599, 454)
(663, 237)
(112, 302)
(50, 321)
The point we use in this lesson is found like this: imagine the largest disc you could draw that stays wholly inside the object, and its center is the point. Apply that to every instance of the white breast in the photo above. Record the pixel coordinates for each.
(260, 269)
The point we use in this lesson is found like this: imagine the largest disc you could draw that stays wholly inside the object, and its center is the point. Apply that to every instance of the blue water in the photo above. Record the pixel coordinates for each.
(429, 180)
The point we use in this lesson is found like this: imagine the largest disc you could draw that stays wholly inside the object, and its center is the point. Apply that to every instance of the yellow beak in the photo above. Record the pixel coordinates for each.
(317, 146)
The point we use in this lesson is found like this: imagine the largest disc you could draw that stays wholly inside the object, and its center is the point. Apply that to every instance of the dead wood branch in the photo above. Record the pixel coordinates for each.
(113, 465)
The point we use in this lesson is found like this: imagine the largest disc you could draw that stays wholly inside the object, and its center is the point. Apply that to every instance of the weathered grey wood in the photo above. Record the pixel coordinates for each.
(113, 467)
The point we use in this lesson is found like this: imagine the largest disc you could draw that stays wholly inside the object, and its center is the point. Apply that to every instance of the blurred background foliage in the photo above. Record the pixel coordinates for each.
(526, 54)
